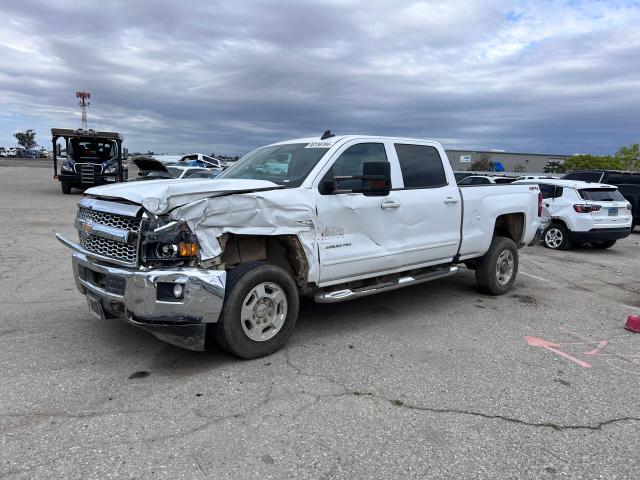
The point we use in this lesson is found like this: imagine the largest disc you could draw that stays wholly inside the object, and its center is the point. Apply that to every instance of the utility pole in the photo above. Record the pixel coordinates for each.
(83, 103)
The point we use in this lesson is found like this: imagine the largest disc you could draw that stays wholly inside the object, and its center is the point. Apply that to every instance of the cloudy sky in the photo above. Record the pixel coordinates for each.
(537, 76)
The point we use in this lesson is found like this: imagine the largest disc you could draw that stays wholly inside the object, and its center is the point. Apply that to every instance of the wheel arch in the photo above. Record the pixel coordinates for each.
(510, 225)
(285, 251)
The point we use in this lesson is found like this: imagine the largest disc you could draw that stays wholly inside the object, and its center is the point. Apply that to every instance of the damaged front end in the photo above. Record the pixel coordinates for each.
(146, 269)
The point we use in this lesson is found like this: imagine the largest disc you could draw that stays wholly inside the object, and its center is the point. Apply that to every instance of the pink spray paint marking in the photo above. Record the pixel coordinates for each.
(553, 347)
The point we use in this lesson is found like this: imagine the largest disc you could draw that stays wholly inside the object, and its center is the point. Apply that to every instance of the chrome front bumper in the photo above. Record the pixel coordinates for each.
(144, 297)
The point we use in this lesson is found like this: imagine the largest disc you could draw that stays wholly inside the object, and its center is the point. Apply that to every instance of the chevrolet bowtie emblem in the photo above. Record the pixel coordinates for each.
(86, 227)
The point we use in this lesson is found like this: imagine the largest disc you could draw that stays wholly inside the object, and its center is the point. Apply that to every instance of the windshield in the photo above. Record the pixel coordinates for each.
(287, 164)
(91, 149)
(602, 194)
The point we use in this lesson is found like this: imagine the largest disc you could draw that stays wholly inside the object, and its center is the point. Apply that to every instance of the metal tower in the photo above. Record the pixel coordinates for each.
(83, 103)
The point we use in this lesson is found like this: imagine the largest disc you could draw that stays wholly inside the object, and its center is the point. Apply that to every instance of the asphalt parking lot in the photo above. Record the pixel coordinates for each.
(433, 381)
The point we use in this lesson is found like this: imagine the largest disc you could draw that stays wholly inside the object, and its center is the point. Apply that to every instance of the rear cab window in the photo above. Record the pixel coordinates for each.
(421, 166)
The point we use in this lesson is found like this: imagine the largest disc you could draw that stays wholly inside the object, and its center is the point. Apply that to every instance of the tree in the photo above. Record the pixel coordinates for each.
(26, 139)
(482, 164)
(629, 157)
(555, 167)
(519, 168)
(592, 162)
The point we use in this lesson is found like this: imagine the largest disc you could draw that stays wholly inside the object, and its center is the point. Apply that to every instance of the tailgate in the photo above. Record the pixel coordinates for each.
(609, 207)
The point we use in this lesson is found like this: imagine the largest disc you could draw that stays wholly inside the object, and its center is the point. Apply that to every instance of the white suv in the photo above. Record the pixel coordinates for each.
(583, 212)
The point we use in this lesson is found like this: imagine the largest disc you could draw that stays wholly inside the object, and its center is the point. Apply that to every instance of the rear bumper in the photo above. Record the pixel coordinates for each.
(143, 298)
(600, 234)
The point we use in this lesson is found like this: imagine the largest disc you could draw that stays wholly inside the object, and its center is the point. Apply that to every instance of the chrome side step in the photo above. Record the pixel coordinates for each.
(350, 294)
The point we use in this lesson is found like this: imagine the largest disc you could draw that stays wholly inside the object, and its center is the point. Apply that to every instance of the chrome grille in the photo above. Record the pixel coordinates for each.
(127, 219)
(110, 219)
(109, 248)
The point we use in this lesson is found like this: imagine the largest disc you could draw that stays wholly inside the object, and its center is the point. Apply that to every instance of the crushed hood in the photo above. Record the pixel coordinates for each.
(161, 196)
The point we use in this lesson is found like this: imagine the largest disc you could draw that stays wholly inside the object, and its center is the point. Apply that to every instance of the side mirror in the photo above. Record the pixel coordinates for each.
(376, 179)
(58, 149)
(126, 153)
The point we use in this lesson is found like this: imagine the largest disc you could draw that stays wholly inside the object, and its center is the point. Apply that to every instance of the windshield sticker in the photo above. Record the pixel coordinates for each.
(323, 144)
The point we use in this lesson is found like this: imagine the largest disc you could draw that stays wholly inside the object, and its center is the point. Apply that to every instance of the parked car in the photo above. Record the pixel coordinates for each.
(484, 180)
(627, 182)
(152, 169)
(536, 177)
(583, 212)
(205, 173)
(3, 152)
(44, 153)
(228, 259)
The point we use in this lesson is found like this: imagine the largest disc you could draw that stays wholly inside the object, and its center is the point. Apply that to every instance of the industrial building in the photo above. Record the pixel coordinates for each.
(461, 160)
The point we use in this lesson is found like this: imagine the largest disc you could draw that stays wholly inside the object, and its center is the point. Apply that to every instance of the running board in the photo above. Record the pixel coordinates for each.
(349, 294)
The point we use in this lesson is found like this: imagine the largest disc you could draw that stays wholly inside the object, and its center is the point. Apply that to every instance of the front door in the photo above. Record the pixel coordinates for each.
(357, 233)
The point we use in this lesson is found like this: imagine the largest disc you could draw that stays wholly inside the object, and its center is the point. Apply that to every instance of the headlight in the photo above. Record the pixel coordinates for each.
(111, 169)
(67, 166)
(172, 241)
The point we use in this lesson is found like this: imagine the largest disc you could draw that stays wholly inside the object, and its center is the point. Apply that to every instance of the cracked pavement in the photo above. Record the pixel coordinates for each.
(432, 381)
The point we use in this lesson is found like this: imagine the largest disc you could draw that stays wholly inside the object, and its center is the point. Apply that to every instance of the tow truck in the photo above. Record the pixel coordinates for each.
(92, 158)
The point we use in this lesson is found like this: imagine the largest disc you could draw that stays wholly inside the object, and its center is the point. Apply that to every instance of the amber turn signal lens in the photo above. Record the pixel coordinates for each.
(187, 249)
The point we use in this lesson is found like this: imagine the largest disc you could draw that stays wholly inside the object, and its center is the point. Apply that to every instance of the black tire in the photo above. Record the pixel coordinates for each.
(229, 333)
(603, 245)
(556, 237)
(489, 278)
(66, 188)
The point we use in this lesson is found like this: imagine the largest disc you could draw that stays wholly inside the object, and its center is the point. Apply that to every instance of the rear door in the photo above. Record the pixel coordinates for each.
(430, 211)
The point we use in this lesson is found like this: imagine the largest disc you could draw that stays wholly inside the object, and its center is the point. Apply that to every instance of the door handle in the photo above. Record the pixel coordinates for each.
(450, 200)
(390, 204)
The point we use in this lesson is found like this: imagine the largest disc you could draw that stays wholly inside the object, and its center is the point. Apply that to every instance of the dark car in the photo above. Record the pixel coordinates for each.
(628, 184)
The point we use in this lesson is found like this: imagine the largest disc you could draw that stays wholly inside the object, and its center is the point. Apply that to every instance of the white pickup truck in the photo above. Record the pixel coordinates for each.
(333, 218)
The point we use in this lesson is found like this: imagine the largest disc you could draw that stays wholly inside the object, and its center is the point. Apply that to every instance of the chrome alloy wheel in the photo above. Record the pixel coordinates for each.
(553, 238)
(505, 266)
(263, 312)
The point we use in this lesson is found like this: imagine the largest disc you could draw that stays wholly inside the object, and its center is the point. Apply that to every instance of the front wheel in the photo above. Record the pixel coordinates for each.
(66, 188)
(497, 269)
(260, 310)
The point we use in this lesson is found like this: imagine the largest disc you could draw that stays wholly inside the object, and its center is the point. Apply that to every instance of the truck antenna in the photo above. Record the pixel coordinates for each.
(327, 134)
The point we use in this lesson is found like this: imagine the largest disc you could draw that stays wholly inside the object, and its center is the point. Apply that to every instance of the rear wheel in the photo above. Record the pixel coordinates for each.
(556, 237)
(603, 245)
(66, 188)
(260, 310)
(497, 269)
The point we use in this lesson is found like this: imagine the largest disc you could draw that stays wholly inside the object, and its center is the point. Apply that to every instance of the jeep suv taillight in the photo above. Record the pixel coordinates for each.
(586, 208)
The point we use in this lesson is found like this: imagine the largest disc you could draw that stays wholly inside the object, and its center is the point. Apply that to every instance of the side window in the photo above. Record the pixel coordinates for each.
(350, 163)
(421, 166)
(618, 178)
(547, 191)
(558, 192)
(584, 176)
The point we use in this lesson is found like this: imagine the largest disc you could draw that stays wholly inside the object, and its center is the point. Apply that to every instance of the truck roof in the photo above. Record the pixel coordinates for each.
(69, 132)
(333, 140)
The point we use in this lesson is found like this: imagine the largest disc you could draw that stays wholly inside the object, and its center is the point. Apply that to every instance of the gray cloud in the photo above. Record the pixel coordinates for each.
(549, 76)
